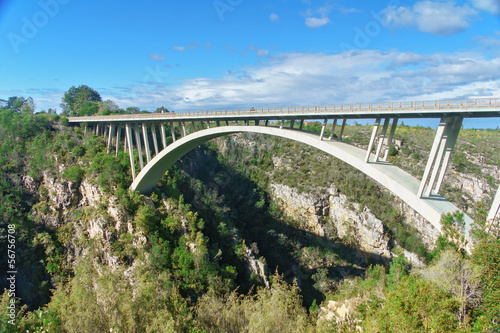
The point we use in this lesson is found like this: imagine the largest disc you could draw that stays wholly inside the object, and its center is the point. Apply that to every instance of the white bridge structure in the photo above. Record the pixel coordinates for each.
(160, 139)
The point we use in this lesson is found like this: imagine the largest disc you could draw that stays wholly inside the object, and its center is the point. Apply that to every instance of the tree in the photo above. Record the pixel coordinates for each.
(132, 109)
(75, 97)
(108, 107)
(162, 110)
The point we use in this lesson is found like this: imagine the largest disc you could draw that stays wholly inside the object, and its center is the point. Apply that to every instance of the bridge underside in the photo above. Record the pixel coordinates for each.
(391, 177)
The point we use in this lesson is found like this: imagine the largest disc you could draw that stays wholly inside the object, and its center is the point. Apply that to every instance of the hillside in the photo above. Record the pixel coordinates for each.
(245, 234)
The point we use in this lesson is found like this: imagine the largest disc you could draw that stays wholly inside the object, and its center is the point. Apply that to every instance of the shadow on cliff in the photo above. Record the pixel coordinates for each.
(236, 212)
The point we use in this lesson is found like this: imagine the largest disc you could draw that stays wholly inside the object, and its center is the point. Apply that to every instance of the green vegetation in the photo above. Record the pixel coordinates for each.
(93, 256)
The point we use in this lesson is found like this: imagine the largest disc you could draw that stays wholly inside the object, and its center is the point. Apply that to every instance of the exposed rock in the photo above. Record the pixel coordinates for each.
(339, 312)
(61, 193)
(256, 267)
(91, 194)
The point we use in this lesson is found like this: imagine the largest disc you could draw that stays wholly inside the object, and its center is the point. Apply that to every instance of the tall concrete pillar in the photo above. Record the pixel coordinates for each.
(372, 139)
(292, 122)
(183, 128)
(391, 136)
(432, 156)
(155, 140)
(139, 144)
(97, 129)
(193, 125)
(128, 137)
(208, 124)
(382, 138)
(257, 122)
(342, 129)
(267, 122)
(217, 123)
(301, 124)
(453, 136)
(323, 129)
(125, 141)
(172, 130)
(118, 132)
(163, 136)
(227, 122)
(146, 142)
(495, 206)
(334, 124)
(85, 129)
(110, 136)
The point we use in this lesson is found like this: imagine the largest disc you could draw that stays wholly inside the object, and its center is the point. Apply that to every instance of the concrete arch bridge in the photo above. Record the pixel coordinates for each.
(190, 129)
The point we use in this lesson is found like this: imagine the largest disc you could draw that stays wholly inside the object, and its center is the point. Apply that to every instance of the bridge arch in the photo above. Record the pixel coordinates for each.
(391, 177)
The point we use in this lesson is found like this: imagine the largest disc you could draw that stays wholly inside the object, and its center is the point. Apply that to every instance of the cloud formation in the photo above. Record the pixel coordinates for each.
(156, 57)
(315, 22)
(437, 18)
(317, 79)
(491, 6)
(274, 17)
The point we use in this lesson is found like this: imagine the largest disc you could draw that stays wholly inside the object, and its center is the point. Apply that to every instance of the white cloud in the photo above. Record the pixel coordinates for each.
(437, 18)
(157, 57)
(317, 79)
(274, 17)
(179, 48)
(316, 22)
(491, 6)
(258, 51)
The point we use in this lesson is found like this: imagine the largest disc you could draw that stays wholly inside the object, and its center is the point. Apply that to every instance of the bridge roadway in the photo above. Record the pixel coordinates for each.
(421, 195)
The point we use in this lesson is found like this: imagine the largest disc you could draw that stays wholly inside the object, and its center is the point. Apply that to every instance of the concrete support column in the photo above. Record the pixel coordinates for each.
(97, 129)
(218, 123)
(118, 132)
(432, 156)
(193, 125)
(391, 136)
(342, 129)
(247, 122)
(334, 124)
(163, 137)
(172, 130)
(292, 122)
(267, 122)
(452, 140)
(495, 206)
(257, 122)
(372, 139)
(183, 126)
(323, 130)
(227, 122)
(301, 124)
(125, 141)
(146, 142)
(139, 144)
(85, 129)
(382, 138)
(208, 124)
(155, 140)
(128, 138)
(110, 136)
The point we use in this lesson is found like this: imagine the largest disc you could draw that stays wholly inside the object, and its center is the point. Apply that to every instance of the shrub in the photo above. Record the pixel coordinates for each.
(74, 174)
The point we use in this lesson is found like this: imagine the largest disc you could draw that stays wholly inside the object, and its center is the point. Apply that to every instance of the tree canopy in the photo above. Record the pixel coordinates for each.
(75, 97)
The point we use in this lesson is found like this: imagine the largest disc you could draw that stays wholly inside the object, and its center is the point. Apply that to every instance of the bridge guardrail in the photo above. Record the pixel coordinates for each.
(465, 104)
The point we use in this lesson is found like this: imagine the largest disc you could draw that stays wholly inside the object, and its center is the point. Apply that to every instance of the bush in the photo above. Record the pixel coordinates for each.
(74, 174)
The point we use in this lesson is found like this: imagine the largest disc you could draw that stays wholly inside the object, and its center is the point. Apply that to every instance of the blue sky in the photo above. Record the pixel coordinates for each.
(211, 54)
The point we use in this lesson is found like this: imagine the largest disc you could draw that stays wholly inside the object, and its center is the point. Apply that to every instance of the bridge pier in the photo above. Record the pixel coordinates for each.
(495, 206)
(372, 139)
(292, 122)
(342, 129)
(146, 142)
(439, 157)
(163, 137)
(323, 130)
(118, 131)
(139, 148)
(334, 124)
(183, 126)
(128, 136)
(391, 136)
(110, 136)
(155, 140)
(381, 139)
(172, 130)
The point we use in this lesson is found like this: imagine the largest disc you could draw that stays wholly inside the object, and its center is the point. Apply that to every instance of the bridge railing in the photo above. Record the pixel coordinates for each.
(465, 104)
